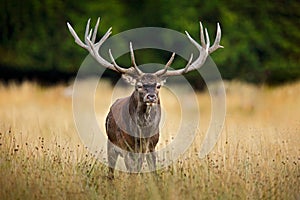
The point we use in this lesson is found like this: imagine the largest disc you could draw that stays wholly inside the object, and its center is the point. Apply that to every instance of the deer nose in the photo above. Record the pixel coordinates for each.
(151, 97)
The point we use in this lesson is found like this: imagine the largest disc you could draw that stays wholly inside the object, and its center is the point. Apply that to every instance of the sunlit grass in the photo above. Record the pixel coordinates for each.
(257, 156)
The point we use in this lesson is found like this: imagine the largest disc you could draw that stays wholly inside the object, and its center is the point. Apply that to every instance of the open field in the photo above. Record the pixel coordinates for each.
(257, 156)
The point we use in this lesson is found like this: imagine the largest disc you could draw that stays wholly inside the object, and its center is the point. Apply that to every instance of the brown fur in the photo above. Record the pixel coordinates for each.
(132, 128)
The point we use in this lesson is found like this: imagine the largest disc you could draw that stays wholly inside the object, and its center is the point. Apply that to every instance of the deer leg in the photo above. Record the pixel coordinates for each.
(129, 162)
(112, 157)
(134, 162)
(151, 160)
(140, 161)
(151, 155)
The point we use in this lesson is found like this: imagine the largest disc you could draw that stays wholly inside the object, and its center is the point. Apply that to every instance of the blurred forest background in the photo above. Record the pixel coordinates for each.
(261, 38)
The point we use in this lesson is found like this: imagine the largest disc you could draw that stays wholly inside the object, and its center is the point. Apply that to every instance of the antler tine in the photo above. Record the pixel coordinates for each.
(216, 44)
(87, 30)
(116, 66)
(188, 64)
(201, 36)
(170, 61)
(101, 41)
(198, 46)
(75, 36)
(163, 71)
(133, 59)
(207, 39)
(95, 31)
(90, 34)
(104, 38)
(132, 55)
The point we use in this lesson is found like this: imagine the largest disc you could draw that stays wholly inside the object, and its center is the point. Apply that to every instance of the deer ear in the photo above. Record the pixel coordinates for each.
(131, 79)
(163, 80)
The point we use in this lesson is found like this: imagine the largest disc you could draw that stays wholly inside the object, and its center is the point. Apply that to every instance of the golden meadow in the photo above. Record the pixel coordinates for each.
(256, 157)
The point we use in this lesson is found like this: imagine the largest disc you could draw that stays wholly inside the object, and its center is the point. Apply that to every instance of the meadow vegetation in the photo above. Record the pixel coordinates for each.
(257, 156)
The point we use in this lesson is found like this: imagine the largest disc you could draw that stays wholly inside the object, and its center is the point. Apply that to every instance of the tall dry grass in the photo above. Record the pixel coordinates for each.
(257, 156)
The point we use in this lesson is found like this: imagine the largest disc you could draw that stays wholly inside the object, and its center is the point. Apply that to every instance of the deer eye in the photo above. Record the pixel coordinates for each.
(139, 85)
(158, 86)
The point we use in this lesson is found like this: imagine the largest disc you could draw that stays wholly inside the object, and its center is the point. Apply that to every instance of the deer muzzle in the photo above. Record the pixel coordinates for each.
(150, 99)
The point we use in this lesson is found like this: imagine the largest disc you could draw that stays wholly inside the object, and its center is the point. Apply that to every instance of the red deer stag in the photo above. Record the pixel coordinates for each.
(132, 124)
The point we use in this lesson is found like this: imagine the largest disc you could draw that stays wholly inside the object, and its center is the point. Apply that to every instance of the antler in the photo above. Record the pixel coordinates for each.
(93, 48)
(204, 50)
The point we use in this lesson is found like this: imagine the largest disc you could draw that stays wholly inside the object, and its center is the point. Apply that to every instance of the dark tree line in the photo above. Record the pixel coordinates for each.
(261, 38)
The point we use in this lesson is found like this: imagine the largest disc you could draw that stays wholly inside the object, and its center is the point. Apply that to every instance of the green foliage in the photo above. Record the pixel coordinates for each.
(261, 38)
